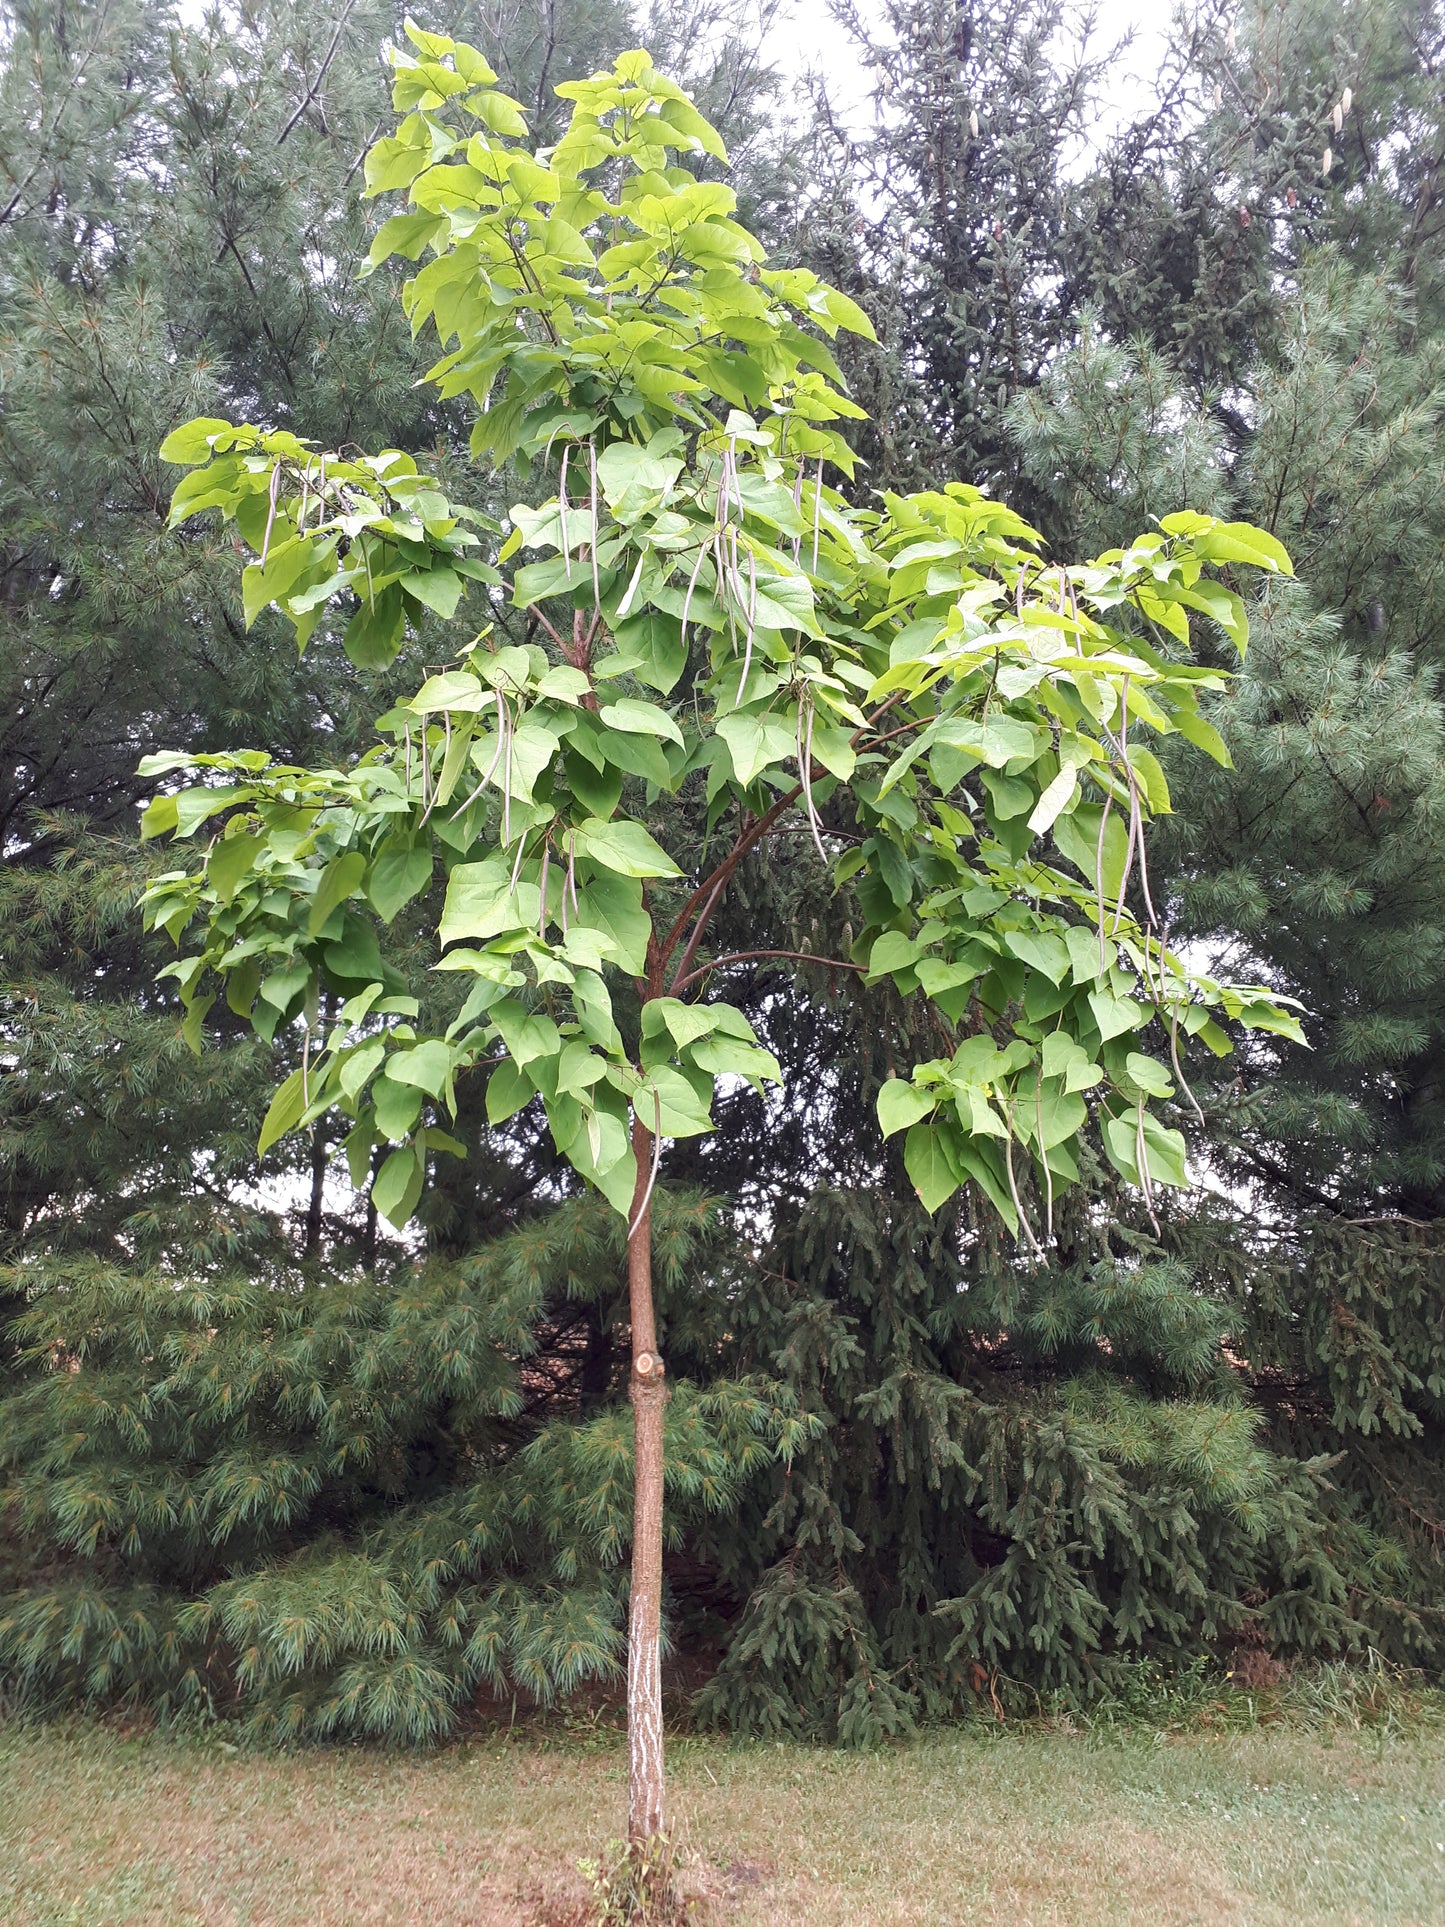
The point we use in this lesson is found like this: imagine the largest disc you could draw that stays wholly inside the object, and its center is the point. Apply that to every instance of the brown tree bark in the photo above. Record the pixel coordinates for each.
(645, 1784)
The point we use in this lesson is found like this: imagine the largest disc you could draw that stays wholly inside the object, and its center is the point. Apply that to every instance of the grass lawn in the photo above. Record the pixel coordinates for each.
(1285, 1824)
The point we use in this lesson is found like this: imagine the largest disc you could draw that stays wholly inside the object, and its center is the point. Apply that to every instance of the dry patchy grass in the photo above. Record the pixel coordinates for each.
(1275, 1828)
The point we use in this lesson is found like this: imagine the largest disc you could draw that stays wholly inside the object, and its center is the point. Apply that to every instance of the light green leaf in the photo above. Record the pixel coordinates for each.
(679, 1109)
(640, 719)
(623, 466)
(847, 314)
(1077, 835)
(901, 1105)
(928, 1164)
(612, 903)
(283, 1113)
(894, 952)
(579, 1067)
(400, 871)
(733, 1056)
(359, 1066)
(342, 876)
(1194, 729)
(1148, 1074)
(653, 647)
(527, 1034)
(229, 862)
(755, 743)
(1243, 542)
(1042, 950)
(685, 1023)
(1063, 1056)
(626, 847)
(427, 1065)
(397, 1189)
(1113, 1014)
(191, 443)
(509, 1090)
(456, 689)
(480, 902)
(1054, 1116)
(397, 1106)
(1151, 778)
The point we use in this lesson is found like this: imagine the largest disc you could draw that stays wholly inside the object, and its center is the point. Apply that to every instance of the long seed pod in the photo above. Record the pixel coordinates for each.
(1128, 861)
(1156, 990)
(408, 761)
(652, 1174)
(1099, 878)
(306, 1067)
(424, 762)
(502, 719)
(1103, 827)
(817, 513)
(446, 751)
(626, 602)
(1008, 1158)
(507, 789)
(1136, 829)
(274, 492)
(805, 768)
(562, 513)
(546, 865)
(1174, 1060)
(1044, 1161)
(727, 581)
(702, 554)
(1144, 870)
(596, 531)
(731, 486)
(518, 861)
(1141, 1158)
(798, 505)
(752, 606)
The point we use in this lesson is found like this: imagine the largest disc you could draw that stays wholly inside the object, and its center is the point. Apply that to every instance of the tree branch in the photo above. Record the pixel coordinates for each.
(724, 870)
(745, 956)
(326, 60)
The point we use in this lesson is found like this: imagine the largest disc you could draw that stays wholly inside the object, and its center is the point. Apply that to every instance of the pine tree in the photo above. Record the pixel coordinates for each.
(155, 262)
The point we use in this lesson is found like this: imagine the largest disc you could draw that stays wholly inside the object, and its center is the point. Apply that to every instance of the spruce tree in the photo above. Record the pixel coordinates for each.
(1293, 368)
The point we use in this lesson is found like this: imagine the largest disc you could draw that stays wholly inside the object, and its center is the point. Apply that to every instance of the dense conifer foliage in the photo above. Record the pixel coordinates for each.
(1244, 305)
(257, 1451)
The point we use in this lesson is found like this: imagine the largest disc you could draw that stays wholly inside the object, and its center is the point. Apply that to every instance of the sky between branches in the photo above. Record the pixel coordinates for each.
(806, 39)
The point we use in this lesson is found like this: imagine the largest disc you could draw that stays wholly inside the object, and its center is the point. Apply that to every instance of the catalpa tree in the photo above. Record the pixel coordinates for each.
(724, 638)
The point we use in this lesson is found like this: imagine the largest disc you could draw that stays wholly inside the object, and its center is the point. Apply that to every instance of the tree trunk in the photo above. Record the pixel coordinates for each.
(644, 1640)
